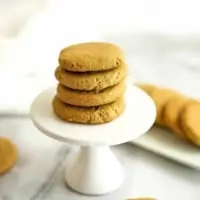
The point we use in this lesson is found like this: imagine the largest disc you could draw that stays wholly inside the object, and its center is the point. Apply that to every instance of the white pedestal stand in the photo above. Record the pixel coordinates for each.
(96, 170)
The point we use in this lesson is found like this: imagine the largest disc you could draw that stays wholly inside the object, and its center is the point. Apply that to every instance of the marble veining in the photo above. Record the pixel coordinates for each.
(39, 172)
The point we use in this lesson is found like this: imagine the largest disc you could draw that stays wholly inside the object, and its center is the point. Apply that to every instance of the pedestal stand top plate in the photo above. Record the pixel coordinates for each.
(137, 118)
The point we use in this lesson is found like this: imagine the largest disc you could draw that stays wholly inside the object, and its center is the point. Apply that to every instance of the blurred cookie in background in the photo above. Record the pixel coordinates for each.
(8, 155)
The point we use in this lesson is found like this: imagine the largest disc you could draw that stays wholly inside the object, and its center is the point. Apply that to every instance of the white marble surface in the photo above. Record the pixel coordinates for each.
(39, 170)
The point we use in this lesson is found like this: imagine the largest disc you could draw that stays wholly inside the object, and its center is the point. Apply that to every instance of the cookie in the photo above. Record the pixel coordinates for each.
(94, 56)
(161, 96)
(90, 98)
(171, 113)
(148, 88)
(189, 121)
(93, 115)
(8, 155)
(91, 80)
(142, 198)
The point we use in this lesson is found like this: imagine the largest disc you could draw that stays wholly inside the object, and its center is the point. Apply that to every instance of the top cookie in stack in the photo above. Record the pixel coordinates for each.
(91, 83)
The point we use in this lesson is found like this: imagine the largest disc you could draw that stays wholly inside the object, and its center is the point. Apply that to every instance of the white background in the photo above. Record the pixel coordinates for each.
(33, 32)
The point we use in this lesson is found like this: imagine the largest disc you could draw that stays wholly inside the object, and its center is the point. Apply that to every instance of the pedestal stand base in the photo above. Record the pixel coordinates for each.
(95, 171)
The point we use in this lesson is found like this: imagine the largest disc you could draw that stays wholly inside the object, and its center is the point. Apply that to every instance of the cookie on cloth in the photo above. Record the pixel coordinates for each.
(161, 96)
(90, 98)
(93, 56)
(93, 115)
(171, 114)
(8, 155)
(91, 80)
(190, 121)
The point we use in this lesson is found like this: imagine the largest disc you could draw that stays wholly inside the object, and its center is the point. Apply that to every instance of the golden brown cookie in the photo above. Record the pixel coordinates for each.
(171, 113)
(90, 98)
(93, 56)
(161, 96)
(142, 198)
(148, 88)
(189, 119)
(91, 80)
(93, 115)
(8, 155)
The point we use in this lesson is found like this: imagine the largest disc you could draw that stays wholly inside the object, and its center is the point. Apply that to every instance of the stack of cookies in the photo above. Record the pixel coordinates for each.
(91, 83)
(175, 111)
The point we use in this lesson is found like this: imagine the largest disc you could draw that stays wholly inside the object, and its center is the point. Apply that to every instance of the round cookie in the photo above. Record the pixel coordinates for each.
(91, 80)
(148, 88)
(93, 115)
(93, 56)
(8, 155)
(90, 98)
(171, 113)
(189, 120)
(142, 198)
(161, 96)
